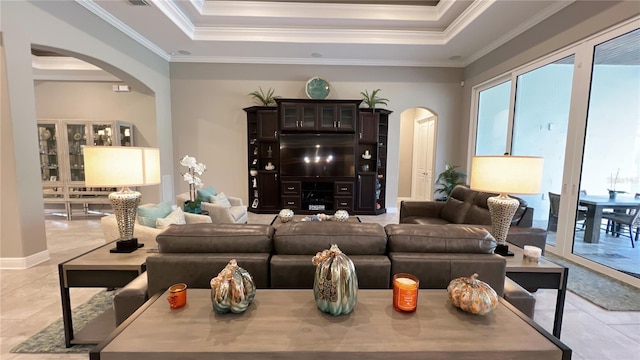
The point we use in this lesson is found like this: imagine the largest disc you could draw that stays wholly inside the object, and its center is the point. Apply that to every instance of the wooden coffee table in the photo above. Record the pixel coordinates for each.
(286, 324)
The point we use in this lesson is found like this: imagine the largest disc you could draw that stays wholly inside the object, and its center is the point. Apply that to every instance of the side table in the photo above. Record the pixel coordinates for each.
(96, 268)
(542, 275)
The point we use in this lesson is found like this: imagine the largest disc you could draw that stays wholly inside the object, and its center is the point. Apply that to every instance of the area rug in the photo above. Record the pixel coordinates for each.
(602, 290)
(51, 338)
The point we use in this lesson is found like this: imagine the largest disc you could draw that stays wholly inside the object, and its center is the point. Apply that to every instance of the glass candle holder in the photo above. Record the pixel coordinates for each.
(405, 292)
(177, 296)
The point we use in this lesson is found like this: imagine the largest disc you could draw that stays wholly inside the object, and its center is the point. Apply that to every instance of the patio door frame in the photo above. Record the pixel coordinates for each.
(575, 141)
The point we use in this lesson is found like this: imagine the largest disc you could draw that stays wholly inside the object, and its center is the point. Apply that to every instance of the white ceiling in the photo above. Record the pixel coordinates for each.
(451, 33)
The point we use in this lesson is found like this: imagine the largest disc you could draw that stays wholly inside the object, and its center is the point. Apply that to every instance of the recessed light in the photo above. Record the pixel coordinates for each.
(316, 54)
(184, 52)
(455, 57)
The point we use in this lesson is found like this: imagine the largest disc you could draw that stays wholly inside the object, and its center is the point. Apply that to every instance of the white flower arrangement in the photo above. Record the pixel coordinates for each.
(194, 168)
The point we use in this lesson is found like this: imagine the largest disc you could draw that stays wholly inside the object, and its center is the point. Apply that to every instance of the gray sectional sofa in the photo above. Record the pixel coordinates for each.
(466, 206)
(281, 258)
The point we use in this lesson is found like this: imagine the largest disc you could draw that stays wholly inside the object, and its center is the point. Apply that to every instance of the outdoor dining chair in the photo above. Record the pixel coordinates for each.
(630, 219)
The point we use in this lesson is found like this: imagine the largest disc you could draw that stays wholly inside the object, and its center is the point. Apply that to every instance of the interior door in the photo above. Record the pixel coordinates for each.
(423, 160)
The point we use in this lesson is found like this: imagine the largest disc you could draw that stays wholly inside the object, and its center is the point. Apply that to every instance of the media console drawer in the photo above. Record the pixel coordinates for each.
(344, 203)
(343, 188)
(291, 202)
(291, 188)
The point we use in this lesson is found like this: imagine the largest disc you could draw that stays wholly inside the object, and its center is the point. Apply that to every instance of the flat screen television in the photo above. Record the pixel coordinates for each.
(317, 155)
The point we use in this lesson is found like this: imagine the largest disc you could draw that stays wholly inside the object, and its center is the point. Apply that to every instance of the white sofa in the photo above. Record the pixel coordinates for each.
(236, 214)
(145, 234)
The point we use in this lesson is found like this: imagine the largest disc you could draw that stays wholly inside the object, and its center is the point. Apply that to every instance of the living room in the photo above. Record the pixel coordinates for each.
(196, 108)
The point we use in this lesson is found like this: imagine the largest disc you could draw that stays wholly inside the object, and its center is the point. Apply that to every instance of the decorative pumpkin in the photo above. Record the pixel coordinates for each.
(233, 289)
(472, 295)
(335, 286)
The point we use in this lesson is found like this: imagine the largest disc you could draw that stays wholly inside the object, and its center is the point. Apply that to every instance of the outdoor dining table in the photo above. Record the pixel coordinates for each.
(595, 205)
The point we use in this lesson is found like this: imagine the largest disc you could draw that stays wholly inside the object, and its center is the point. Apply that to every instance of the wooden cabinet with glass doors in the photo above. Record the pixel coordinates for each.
(62, 162)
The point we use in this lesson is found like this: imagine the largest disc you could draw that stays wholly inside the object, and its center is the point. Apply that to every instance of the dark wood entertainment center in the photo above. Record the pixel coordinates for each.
(358, 185)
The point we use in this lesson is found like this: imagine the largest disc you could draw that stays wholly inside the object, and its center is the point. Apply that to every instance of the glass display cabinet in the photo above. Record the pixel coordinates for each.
(62, 162)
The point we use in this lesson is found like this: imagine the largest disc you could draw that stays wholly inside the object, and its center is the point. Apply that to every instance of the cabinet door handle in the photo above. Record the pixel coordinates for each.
(275, 134)
(290, 202)
(290, 188)
(361, 136)
(343, 189)
(343, 204)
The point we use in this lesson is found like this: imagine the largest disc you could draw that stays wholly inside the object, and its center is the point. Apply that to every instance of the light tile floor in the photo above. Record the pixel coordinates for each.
(30, 300)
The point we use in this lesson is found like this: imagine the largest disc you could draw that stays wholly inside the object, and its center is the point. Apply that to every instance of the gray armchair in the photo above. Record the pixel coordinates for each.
(220, 214)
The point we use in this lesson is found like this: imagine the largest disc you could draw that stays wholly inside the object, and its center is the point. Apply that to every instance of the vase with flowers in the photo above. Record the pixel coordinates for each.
(194, 168)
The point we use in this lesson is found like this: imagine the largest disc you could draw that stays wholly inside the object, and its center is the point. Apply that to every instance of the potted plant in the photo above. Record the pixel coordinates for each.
(449, 179)
(193, 205)
(613, 192)
(371, 100)
(265, 99)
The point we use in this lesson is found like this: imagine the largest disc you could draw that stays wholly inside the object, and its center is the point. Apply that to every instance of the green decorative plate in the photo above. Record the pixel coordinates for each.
(317, 88)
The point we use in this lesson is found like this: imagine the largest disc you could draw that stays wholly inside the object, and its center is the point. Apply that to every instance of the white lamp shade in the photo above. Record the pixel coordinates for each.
(112, 166)
(507, 174)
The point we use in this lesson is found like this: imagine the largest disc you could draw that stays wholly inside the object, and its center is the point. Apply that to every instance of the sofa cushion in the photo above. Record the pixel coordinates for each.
(439, 239)
(454, 210)
(220, 199)
(206, 192)
(436, 270)
(216, 238)
(176, 217)
(147, 215)
(297, 271)
(310, 237)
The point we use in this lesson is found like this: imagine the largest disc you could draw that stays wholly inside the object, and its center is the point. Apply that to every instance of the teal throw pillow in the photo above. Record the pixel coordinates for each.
(220, 199)
(147, 215)
(206, 192)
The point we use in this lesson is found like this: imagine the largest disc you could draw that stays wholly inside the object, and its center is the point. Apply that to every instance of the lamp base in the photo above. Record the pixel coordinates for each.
(126, 246)
(503, 250)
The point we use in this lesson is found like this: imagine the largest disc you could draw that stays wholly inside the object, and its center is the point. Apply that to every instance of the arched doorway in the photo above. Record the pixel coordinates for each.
(418, 129)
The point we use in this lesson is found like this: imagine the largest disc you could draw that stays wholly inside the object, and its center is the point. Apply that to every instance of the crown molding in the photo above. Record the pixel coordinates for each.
(313, 61)
(539, 17)
(113, 21)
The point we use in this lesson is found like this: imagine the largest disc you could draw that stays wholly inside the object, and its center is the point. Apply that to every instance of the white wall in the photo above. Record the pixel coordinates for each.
(70, 29)
(209, 123)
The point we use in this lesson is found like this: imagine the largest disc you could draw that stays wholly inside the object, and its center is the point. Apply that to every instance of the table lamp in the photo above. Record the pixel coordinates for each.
(122, 166)
(505, 174)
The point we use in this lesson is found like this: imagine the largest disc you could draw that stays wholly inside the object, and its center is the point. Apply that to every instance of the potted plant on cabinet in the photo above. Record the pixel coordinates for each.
(448, 180)
(371, 100)
(265, 99)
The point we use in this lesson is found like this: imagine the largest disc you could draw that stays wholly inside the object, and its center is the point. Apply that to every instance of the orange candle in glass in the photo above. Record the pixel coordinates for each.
(177, 296)
(405, 292)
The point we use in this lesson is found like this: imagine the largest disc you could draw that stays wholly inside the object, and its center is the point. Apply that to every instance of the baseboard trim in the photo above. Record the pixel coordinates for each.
(24, 262)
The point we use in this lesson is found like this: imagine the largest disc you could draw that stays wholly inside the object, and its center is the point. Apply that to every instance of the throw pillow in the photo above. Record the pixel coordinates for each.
(220, 199)
(206, 192)
(147, 215)
(176, 217)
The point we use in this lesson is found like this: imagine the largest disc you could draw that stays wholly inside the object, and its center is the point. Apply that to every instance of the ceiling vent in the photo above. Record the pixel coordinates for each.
(139, 2)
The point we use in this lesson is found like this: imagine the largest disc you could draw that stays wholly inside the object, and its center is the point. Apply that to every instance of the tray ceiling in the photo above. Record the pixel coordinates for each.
(449, 33)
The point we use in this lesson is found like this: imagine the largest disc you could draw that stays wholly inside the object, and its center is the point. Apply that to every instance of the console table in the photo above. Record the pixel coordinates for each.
(96, 268)
(286, 324)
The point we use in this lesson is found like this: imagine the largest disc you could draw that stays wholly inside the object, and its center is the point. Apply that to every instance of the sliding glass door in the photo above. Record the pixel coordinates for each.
(611, 156)
(541, 121)
(579, 109)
